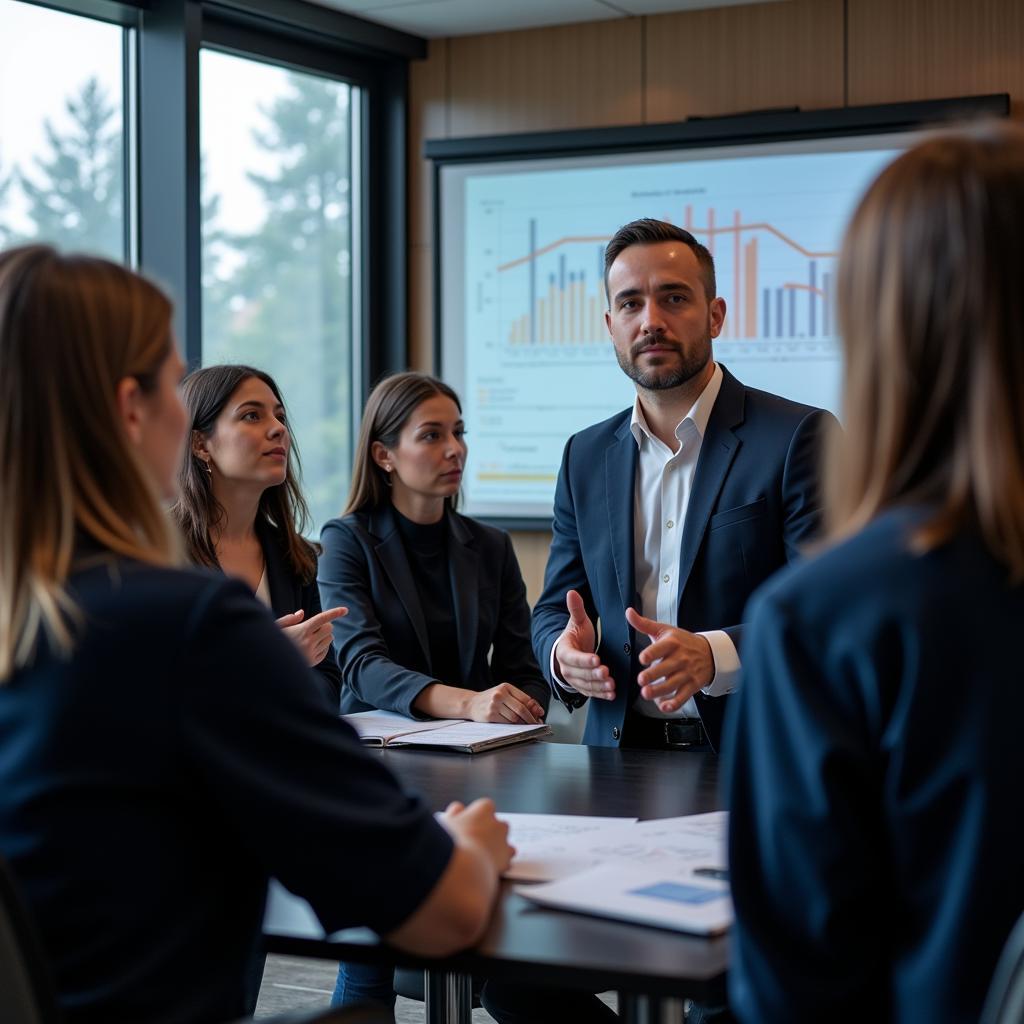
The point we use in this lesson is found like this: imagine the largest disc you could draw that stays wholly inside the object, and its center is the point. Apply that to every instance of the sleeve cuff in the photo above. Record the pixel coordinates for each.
(727, 664)
(566, 695)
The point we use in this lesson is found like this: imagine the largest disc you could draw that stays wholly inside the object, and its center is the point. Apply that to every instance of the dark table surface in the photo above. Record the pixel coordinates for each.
(525, 942)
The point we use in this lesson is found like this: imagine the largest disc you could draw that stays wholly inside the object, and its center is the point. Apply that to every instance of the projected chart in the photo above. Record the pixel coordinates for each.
(538, 360)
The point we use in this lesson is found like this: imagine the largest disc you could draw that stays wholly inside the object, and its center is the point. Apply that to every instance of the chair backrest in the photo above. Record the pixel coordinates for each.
(1005, 1001)
(26, 989)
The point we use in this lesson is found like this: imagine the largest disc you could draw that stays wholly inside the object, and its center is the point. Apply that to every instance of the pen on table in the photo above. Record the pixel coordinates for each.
(722, 874)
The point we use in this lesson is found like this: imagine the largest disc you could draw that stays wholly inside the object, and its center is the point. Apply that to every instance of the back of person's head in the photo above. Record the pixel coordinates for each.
(71, 329)
(648, 231)
(206, 392)
(932, 316)
(388, 409)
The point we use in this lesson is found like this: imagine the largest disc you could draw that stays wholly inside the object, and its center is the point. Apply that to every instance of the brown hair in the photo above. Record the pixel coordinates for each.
(387, 411)
(71, 328)
(932, 317)
(282, 508)
(648, 231)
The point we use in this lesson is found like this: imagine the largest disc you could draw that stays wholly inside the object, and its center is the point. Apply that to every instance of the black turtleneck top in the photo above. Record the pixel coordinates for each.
(426, 547)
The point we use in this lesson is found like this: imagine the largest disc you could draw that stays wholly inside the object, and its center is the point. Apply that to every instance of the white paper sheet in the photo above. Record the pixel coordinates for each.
(472, 734)
(552, 846)
(664, 896)
(387, 724)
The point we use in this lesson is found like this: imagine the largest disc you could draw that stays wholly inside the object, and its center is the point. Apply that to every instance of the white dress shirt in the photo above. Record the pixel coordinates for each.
(661, 497)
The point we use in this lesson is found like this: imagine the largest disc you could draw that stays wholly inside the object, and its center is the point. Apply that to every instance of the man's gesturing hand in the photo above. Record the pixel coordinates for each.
(574, 654)
(677, 664)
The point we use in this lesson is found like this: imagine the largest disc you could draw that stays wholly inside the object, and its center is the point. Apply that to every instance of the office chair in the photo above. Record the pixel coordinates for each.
(1005, 1001)
(27, 989)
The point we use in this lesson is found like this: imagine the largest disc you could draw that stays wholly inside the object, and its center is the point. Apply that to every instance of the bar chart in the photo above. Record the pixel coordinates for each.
(566, 303)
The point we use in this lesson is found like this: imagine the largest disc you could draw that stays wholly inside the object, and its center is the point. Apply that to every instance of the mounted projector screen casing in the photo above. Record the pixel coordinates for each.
(520, 228)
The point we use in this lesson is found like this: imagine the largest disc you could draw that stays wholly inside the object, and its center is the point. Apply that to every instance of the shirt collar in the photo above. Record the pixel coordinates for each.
(698, 416)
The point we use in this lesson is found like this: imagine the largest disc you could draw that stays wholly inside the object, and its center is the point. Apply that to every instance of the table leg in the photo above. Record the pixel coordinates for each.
(639, 1009)
(449, 997)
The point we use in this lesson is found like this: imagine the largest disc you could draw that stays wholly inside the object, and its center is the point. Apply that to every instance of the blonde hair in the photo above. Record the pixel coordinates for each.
(71, 328)
(932, 316)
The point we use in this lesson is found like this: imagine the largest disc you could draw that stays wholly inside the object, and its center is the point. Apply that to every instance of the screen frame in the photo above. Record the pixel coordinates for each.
(790, 124)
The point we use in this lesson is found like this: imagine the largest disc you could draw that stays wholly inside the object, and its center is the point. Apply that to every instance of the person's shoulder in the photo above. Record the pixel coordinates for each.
(780, 410)
(602, 433)
(138, 595)
(875, 572)
(352, 525)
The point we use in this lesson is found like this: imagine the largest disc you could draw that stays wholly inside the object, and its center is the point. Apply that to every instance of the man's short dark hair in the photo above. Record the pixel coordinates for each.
(648, 231)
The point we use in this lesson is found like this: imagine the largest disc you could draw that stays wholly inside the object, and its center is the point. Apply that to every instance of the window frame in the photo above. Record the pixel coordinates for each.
(162, 157)
(304, 37)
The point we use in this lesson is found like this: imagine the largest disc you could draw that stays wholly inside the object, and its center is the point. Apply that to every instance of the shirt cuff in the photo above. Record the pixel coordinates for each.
(558, 683)
(727, 664)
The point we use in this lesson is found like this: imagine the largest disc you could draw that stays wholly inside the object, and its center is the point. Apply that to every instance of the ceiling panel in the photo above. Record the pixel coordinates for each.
(438, 18)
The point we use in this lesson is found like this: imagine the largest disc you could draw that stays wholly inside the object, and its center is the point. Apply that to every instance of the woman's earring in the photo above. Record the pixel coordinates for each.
(387, 476)
(209, 466)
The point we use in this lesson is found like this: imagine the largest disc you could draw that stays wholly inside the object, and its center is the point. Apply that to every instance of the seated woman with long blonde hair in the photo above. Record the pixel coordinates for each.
(164, 749)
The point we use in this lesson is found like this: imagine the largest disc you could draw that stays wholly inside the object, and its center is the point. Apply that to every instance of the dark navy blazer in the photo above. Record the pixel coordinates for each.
(753, 503)
(382, 644)
(288, 594)
(144, 802)
(877, 810)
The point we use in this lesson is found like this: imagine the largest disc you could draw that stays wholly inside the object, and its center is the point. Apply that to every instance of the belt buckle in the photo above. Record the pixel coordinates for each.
(671, 743)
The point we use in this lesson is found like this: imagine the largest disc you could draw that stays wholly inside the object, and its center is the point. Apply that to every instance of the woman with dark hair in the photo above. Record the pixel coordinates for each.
(430, 592)
(165, 750)
(241, 510)
(876, 806)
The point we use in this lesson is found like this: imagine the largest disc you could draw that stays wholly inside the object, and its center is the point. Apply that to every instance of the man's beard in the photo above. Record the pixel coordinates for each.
(663, 378)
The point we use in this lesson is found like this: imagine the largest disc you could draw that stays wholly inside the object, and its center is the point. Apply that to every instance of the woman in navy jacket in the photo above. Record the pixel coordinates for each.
(241, 510)
(876, 806)
(165, 749)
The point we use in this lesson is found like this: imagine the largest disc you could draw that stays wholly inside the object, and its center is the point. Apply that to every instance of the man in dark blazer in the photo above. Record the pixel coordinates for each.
(668, 515)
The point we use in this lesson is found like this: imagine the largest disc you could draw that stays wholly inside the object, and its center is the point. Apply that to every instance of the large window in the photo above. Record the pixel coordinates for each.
(277, 225)
(62, 149)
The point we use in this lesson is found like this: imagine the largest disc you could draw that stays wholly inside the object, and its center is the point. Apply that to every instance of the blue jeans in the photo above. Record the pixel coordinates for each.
(364, 983)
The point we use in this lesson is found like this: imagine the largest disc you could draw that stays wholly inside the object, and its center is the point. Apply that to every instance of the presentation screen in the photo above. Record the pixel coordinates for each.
(522, 303)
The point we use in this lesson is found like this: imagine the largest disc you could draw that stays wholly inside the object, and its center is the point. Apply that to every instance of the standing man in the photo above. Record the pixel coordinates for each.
(668, 515)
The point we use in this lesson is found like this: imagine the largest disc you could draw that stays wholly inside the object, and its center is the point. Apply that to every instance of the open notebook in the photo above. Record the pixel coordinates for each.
(390, 729)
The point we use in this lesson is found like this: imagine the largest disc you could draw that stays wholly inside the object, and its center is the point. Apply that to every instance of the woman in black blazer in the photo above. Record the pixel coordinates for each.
(438, 624)
(241, 509)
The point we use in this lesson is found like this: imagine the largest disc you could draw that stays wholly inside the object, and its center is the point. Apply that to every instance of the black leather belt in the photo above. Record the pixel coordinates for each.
(665, 733)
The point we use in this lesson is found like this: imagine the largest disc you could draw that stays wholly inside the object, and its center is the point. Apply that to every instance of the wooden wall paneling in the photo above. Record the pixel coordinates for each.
(428, 119)
(532, 551)
(734, 59)
(572, 76)
(932, 49)
(421, 308)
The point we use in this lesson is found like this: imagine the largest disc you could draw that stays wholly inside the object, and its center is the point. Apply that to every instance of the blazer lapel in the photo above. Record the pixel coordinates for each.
(620, 474)
(717, 451)
(463, 563)
(391, 552)
(284, 593)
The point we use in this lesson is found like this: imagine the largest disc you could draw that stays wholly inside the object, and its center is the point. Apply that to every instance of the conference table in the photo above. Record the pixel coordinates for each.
(653, 970)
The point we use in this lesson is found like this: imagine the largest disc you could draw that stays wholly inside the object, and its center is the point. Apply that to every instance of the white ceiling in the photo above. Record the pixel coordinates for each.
(436, 18)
